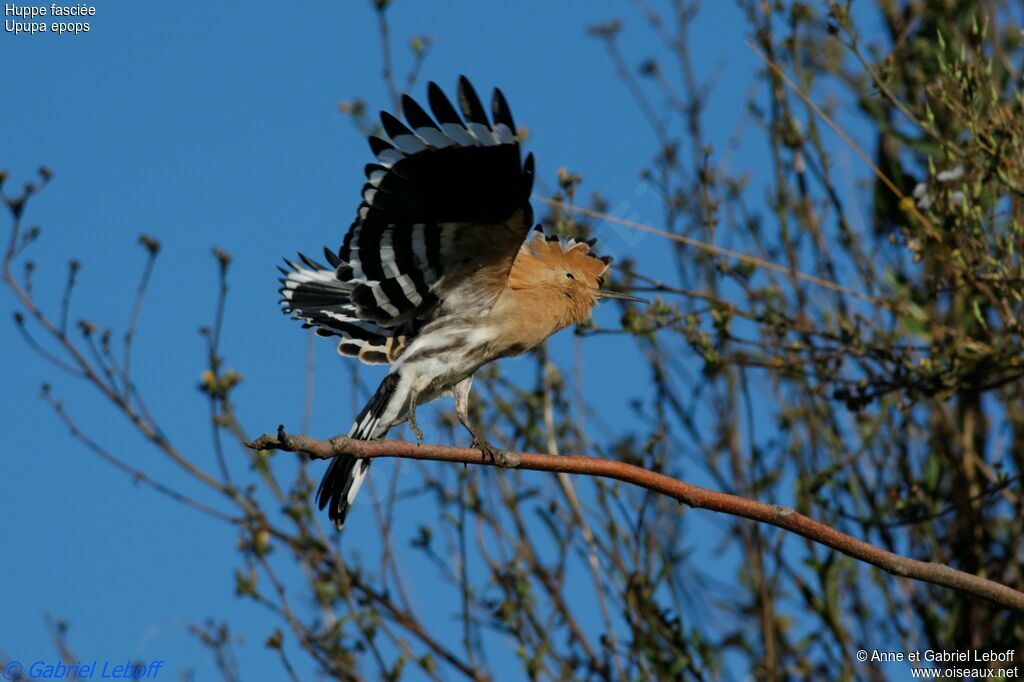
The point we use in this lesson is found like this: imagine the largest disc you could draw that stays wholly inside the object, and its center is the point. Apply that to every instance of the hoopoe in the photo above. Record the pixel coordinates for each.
(439, 274)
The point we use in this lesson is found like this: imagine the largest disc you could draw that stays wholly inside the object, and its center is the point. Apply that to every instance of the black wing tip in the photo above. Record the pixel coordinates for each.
(332, 258)
(469, 102)
(500, 111)
(408, 101)
(527, 176)
(467, 155)
(415, 115)
(392, 126)
(313, 265)
(464, 86)
(442, 107)
(378, 144)
(435, 91)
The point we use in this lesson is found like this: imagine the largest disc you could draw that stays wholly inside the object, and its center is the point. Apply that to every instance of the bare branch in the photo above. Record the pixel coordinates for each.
(685, 493)
(135, 473)
(152, 247)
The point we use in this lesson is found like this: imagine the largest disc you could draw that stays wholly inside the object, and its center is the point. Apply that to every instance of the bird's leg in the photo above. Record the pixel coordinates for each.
(412, 417)
(500, 457)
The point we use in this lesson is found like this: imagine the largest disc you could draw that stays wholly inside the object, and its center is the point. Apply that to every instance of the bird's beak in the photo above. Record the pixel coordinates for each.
(605, 293)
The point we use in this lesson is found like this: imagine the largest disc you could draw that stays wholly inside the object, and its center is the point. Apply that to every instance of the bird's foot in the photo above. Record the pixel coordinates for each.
(502, 458)
(414, 426)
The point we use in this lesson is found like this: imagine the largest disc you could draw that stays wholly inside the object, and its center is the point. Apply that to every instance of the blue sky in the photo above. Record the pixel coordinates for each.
(220, 126)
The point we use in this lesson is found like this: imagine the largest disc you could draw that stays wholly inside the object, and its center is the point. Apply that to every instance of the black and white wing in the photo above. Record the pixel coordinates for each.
(311, 292)
(447, 198)
(447, 193)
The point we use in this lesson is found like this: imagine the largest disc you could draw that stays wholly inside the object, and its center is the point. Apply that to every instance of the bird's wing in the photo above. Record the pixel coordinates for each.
(311, 292)
(446, 205)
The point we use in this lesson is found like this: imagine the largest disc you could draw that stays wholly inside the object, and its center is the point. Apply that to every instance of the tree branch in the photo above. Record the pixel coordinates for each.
(685, 493)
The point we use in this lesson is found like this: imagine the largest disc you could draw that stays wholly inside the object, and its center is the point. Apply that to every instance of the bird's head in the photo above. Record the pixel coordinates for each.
(569, 270)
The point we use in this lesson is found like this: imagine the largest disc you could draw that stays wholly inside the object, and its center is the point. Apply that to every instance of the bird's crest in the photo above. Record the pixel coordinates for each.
(543, 251)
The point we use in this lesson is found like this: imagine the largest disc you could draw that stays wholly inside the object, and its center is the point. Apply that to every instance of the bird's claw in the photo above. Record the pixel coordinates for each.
(416, 432)
(414, 426)
(502, 458)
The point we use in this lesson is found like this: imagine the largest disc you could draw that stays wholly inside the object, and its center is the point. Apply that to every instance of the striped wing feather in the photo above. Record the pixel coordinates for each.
(445, 207)
(448, 195)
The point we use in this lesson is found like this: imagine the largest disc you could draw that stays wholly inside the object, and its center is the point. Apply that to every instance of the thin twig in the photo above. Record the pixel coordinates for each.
(752, 260)
(152, 249)
(579, 518)
(65, 301)
(717, 250)
(388, 71)
(137, 475)
(906, 203)
(19, 322)
(216, 397)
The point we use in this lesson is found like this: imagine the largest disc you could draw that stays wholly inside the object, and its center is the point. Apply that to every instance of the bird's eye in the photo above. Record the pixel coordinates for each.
(570, 275)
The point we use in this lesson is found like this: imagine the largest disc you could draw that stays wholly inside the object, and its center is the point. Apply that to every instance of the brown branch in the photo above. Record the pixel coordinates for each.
(685, 493)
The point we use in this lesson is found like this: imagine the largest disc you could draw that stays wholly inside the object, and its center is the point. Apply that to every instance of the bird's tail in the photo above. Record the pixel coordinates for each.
(345, 475)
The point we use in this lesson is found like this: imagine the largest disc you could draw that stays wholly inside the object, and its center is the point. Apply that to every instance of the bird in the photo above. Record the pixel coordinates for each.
(442, 271)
